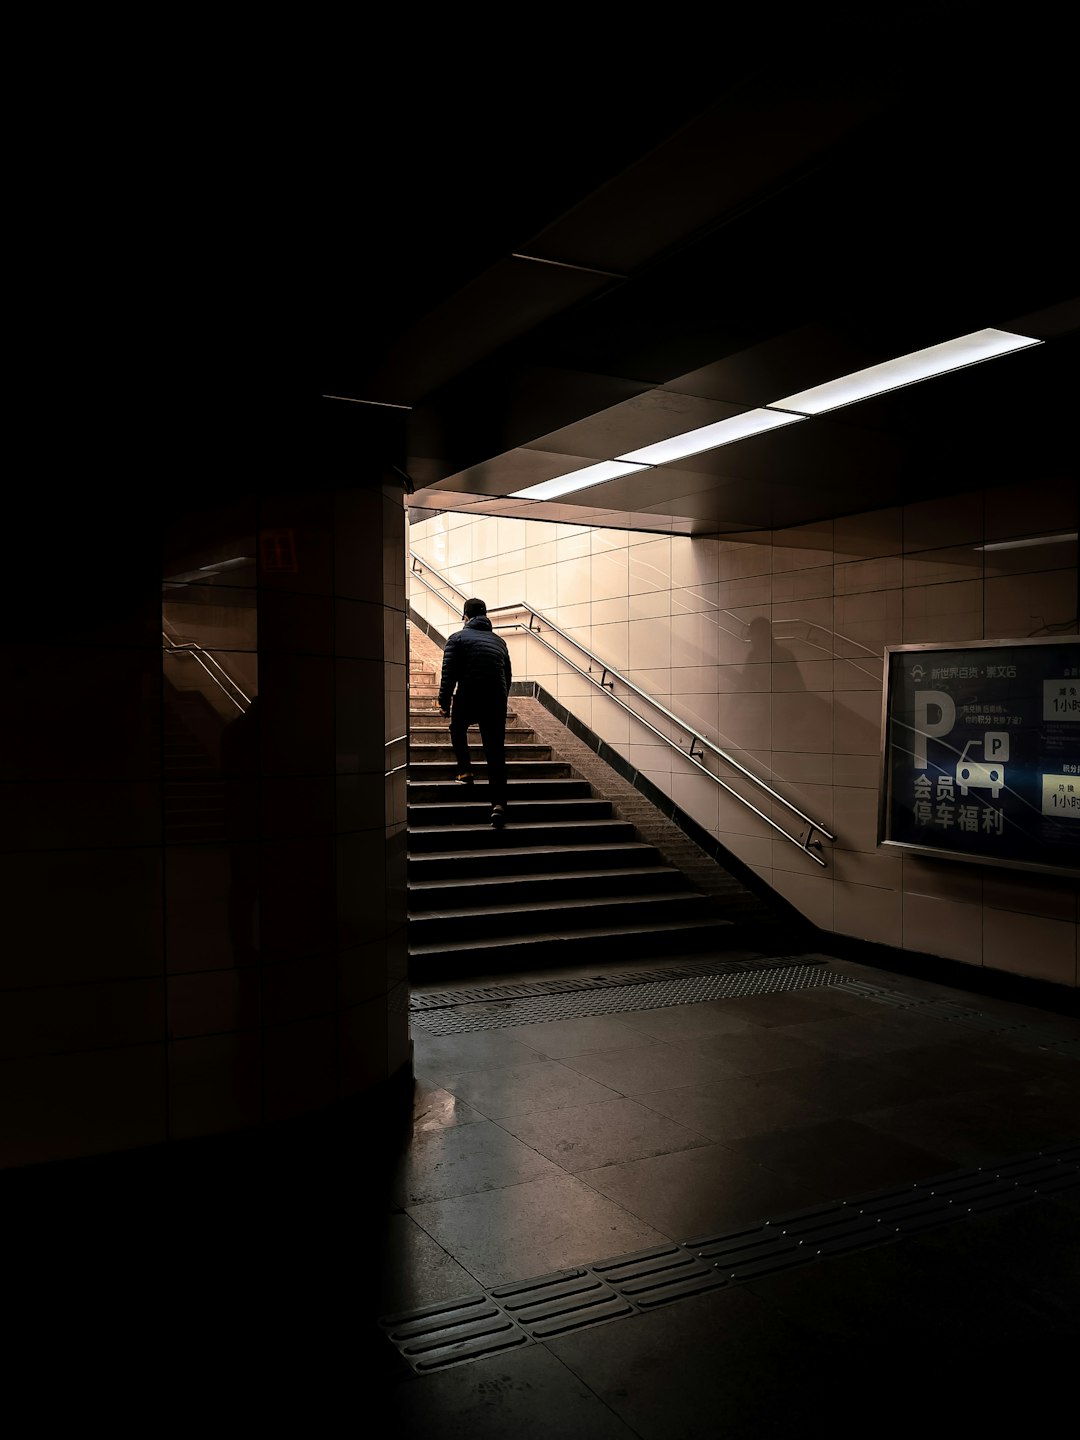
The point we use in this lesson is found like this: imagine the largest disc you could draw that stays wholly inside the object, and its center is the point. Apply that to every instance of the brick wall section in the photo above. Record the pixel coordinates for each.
(652, 826)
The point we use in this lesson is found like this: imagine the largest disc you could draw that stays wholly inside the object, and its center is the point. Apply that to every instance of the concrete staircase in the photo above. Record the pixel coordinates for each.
(565, 881)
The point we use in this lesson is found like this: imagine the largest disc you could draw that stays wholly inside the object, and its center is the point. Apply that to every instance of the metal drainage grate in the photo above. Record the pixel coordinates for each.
(1046, 1037)
(618, 999)
(486, 1322)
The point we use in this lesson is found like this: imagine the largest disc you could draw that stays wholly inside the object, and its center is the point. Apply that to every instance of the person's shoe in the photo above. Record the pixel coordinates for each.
(465, 779)
(498, 816)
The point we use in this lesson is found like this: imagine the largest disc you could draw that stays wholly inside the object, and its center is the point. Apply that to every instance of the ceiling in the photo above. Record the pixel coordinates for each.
(530, 289)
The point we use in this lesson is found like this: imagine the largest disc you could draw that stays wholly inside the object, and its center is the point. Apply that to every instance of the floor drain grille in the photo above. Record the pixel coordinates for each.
(489, 1321)
(494, 1013)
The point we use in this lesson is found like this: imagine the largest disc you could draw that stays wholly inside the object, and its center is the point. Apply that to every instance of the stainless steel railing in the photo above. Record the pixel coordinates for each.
(809, 843)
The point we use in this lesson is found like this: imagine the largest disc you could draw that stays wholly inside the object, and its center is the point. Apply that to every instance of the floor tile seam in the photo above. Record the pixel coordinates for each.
(693, 1252)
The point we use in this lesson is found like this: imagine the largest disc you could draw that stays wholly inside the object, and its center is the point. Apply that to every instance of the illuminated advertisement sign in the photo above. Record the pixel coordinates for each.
(981, 752)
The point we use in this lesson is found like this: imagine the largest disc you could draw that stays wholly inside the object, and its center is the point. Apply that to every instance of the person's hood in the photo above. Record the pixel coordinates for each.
(478, 622)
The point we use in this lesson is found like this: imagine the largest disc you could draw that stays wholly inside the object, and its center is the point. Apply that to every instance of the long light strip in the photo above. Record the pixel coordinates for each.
(860, 385)
(576, 480)
(711, 437)
(905, 370)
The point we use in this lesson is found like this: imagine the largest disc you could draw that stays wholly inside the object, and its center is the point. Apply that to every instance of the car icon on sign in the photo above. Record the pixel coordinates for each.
(978, 774)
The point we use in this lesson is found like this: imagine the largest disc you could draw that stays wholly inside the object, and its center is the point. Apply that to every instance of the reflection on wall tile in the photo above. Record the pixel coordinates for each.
(300, 1067)
(296, 714)
(855, 816)
(296, 898)
(1031, 945)
(1053, 555)
(82, 814)
(858, 537)
(1019, 605)
(58, 1019)
(857, 722)
(610, 575)
(857, 576)
(107, 928)
(954, 520)
(362, 1046)
(867, 912)
(301, 624)
(802, 721)
(649, 567)
(935, 925)
(1031, 508)
(361, 889)
(649, 643)
(745, 721)
(698, 796)
(778, 640)
(211, 1002)
(804, 584)
(942, 879)
(97, 711)
(656, 604)
(694, 561)
(215, 1083)
(296, 805)
(1032, 894)
(941, 567)
(861, 770)
(811, 894)
(360, 736)
(802, 547)
(55, 1107)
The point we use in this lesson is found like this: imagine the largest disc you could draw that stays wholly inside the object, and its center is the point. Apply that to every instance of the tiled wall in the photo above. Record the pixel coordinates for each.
(204, 928)
(773, 648)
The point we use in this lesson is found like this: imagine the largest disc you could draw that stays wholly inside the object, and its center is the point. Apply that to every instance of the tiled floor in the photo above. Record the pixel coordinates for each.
(266, 1283)
(548, 1146)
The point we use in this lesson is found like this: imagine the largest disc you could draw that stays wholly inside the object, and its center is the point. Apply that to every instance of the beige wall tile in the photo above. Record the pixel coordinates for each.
(858, 537)
(1032, 894)
(941, 879)
(935, 925)
(1031, 945)
(955, 520)
(1031, 508)
(884, 572)
(811, 894)
(855, 817)
(1021, 605)
(867, 912)
(802, 722)
(857, 722)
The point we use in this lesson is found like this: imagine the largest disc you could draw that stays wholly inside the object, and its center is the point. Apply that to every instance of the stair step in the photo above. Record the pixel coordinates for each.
(426, 771)
(425, 839)
(487, 863)
(449, 792)
(469, 892)
(480, 922)
(461, 810)
(430, 961)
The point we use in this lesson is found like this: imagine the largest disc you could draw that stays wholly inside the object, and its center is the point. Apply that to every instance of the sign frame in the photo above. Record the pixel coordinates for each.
(885, 828)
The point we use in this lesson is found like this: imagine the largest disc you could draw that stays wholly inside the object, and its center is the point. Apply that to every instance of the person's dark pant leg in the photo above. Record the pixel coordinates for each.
(461, 717)
(492, 722)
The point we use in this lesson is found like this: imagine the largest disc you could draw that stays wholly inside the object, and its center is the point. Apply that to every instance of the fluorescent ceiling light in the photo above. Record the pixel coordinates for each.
(906, 370)
(1022, 544)
(576, 480)
(710, 437)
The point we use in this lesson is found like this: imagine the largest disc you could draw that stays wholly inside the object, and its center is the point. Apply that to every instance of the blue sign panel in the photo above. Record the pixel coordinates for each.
(982, 752)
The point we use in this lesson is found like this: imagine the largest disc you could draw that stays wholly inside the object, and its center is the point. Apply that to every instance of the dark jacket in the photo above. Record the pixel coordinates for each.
(477, 661)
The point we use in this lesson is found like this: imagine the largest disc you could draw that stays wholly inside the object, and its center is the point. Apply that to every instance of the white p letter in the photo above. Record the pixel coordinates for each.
(925, 701)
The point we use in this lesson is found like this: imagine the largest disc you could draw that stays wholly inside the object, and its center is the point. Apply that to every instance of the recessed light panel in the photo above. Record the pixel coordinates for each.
(710, 437)
(906, 370)
(576, 480)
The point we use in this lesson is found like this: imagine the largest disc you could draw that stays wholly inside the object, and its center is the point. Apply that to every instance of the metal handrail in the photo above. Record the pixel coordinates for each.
(808, 846)
(189, 647)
